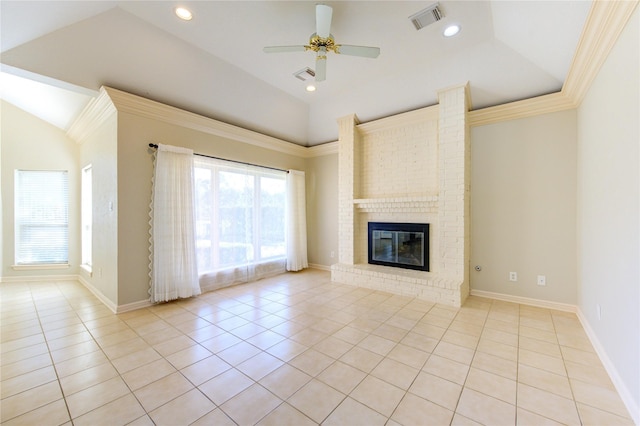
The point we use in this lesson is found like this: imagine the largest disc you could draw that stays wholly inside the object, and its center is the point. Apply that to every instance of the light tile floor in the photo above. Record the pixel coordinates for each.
(295, 349)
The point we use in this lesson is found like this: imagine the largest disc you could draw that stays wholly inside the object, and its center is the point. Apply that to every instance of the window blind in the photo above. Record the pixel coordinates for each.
(41, 217)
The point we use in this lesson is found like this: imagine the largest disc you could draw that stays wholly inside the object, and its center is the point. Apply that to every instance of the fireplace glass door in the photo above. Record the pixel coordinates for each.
(404, 248)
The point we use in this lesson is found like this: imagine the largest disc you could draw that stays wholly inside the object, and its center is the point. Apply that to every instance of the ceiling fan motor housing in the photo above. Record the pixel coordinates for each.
(316, 43)
(322, 42)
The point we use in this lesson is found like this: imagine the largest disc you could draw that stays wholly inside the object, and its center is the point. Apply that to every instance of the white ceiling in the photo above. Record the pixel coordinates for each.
(214, 65)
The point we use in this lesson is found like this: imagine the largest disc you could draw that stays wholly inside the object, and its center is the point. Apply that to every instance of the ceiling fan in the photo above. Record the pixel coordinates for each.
(322, 42)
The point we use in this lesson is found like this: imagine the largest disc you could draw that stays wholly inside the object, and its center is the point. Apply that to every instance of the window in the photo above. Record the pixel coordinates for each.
(240, 214)
(86, 206)
(41, 217)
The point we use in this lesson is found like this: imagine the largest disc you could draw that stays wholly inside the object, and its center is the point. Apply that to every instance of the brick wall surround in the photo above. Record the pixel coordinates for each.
(413, 167)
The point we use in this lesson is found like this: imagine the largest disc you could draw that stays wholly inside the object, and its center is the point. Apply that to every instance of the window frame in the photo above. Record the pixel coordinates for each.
(86, 218)
(215, 167)
(25, 219)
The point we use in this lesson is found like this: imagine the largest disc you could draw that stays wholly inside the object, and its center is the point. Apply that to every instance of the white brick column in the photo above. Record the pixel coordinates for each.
(348, 169)
(454, 164)
(413, 167)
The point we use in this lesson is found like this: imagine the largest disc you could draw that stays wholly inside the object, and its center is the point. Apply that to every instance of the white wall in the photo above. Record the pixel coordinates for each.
(100, 150)
(608, 199)
(322, 210)
(135, 168)
(32, 144)
(523, 206)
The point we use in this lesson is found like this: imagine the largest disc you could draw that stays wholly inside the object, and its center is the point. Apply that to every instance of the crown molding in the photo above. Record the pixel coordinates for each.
(142, 107)
(324, 149)
(520, 109)
(605, 22)
(603, 26)
(92, 117)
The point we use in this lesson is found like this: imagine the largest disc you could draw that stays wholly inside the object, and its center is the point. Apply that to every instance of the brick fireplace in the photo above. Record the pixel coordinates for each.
(409, 168)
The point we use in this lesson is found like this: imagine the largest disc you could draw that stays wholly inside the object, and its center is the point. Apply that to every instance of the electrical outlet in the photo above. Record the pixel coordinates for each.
(599, 311)
(513, 276)
(542, 280)
(333, 254)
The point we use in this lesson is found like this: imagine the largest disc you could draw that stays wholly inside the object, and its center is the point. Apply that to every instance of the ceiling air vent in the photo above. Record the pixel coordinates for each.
(427, 16)
(305, 74)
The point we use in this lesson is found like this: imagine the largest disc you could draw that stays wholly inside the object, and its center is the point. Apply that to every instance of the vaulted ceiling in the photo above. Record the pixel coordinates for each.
(214, 64)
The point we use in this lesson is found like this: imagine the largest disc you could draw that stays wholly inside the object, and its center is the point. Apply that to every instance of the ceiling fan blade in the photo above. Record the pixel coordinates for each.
(321, 66)
(364, 51)
(281, 49)
(323, 20)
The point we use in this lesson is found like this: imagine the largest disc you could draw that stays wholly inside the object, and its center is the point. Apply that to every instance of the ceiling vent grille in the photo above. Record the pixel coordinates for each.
(305, 74)
(426, 17)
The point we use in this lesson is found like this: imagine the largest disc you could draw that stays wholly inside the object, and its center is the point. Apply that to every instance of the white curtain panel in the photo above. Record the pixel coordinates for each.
(240, 230)
(174, 272)
(296, 222)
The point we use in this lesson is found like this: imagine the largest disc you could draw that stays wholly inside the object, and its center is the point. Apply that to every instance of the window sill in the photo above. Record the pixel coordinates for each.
(40, 266)
(87, 269)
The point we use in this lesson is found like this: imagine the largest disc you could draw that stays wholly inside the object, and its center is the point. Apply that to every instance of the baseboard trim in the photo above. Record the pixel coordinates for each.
(621, 388)
(116, 309)
(133, 306)
(565, 307)
(623, 391)
(97, 293)
(320, 267)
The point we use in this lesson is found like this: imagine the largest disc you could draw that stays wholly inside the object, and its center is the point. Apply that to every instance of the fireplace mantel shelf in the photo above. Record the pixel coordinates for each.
(424, 203)
(418, 199)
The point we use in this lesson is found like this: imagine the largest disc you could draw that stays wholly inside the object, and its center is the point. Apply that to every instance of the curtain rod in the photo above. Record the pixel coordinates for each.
(153, 145)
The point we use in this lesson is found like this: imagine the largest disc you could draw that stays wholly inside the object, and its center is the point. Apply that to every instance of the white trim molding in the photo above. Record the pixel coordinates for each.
(558, 306)
(113, 307)
(526, 108)
(621, 388)
(324, 149)
(604, 24)
(623, 391)
(132, 104)
(97, 293)
(320, 267)
(40, 267)
(133, 306)
(92, 117)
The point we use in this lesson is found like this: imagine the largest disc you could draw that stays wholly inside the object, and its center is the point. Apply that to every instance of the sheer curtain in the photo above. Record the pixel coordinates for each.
(296, 222)
(173, 264)
(240, 229)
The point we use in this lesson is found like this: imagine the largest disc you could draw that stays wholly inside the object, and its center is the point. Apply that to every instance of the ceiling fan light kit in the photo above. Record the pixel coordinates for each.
(322, 42)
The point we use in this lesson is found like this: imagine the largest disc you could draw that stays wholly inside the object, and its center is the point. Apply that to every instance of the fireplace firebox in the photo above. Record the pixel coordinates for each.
(401, 245)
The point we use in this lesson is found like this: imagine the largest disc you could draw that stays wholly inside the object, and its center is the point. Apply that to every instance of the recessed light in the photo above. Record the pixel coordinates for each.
(451, 30)
(311, 88)
(184, 13)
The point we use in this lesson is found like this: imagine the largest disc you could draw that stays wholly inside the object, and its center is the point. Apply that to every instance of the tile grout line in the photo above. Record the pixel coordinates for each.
(308, 298)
